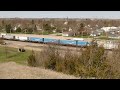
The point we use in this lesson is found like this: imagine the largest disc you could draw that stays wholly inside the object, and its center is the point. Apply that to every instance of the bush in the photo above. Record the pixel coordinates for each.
(89, 62)
(52, 57)
(92, 61)
(45, 33)
(18, 29)
(32, 60)
(29, 31)
(8, 28)
(59, 35)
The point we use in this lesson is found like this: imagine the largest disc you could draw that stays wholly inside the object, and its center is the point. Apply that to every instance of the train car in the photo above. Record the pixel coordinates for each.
(9, 37)
(16, 37)
(52, 41)
(34, 39)
(21, 38)
(2, 35)
(68, 42)
(83, 43)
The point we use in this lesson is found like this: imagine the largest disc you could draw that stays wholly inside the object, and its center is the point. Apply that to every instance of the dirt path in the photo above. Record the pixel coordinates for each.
(11, 70)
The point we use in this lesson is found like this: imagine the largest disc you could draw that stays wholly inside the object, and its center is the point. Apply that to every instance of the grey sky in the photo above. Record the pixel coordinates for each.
(60, 14)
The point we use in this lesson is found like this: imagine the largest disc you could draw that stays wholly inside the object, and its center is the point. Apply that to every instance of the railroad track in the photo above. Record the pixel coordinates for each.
(39, 45)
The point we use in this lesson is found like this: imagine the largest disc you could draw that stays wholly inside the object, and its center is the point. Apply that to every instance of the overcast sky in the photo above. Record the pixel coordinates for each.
(60, 14)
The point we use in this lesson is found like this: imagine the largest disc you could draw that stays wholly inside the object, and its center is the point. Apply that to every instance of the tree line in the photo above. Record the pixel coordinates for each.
(80, 26)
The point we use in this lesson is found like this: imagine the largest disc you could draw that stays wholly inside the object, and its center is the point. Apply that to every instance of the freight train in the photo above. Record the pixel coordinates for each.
(46, 40)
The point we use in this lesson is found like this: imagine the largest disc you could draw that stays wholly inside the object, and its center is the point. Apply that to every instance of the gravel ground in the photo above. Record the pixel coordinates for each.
(11, 70)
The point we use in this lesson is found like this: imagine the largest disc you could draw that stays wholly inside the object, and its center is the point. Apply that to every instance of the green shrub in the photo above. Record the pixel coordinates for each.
(18, 29)
(32, 60)
(90, 62)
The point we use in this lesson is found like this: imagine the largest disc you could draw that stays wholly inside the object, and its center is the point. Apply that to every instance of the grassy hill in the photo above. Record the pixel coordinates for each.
(12, 70)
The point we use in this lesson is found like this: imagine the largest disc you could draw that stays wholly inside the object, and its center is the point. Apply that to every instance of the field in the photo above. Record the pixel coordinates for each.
(8, 54)
(13, 65)
(12, 70)
(52, 58)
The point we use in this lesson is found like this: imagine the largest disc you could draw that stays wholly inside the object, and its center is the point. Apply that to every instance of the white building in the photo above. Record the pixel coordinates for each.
(70, 29)
(107, 29)
(67, 34)
(114, 36)
(110, 45)
(66, 23)
(15, 28)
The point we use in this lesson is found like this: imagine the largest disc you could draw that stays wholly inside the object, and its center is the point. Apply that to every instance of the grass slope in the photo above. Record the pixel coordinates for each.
(11, 54)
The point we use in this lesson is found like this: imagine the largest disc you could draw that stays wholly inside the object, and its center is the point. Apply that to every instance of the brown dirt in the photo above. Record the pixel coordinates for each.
(11, 70)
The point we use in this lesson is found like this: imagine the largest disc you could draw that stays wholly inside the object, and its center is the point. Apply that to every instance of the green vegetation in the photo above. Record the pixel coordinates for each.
(87, 36)
(91, 62)
(59, 34)
(8, 28)
(31, 59)
(46, 33)
(18, 29)
(11, 54)
(103, 37)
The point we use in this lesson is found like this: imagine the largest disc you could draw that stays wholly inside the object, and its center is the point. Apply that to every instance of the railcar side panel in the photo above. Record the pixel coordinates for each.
(34, 39)
(68, 42)
(82, 43)
(48, 40)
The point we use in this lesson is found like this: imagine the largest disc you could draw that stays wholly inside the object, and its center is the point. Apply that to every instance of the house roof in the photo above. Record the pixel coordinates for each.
(113, 35)
(95, 32)
(67, 32)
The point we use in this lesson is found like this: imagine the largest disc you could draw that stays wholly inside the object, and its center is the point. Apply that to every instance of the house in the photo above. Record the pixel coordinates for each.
(115, 31)
(67, 34)
(19, 25)
(95, 33)
(52, 25)
(114, 36)
(54, 30)
(110, 45)
(15, 28)
(66, 23)
(107, 29)
(38, 28)
(70, 29)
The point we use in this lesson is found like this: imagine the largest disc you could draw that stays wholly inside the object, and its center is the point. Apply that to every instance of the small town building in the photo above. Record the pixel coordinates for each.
(67, 34)
(114, 36)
